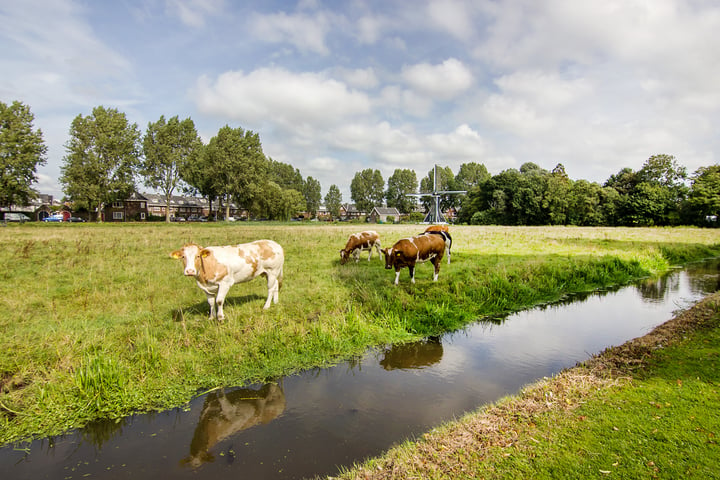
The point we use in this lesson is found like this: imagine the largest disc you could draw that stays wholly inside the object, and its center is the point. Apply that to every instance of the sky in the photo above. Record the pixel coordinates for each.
(335, 87)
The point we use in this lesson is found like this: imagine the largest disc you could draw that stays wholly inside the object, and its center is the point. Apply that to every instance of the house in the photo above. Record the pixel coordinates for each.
(349, 211)
(384, 214)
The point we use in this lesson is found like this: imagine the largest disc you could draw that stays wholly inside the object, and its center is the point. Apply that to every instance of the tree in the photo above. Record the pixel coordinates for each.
(333, 201)
(168, 147)
(285, 175)
(366, 189)
(471, 175)
(198, 177)
(313, 195)
(21, 151)
(102, 156)
(239, 166)
(400, 183)
(704, 198)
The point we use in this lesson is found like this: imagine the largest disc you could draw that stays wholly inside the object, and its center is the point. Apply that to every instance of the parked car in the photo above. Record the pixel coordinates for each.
(76, 220)
(16, 217)
(55, 217)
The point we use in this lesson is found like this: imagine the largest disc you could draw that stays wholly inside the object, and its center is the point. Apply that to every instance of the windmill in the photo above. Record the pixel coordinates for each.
(435, 215)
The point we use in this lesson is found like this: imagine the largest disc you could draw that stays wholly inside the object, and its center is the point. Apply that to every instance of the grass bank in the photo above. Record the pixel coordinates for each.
(646, 409)
(98, 321)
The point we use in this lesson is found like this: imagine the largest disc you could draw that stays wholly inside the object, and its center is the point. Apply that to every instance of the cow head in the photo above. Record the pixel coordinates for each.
(191, 256)
(344, 255)
(390, 255)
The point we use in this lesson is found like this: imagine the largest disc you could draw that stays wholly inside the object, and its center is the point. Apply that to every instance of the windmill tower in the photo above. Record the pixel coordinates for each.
(435, 215)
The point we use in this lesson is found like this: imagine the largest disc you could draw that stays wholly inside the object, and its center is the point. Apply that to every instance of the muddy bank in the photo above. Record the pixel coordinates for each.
(444, 451)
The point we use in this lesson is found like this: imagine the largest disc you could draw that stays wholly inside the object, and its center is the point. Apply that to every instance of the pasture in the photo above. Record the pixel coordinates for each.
(98, 320)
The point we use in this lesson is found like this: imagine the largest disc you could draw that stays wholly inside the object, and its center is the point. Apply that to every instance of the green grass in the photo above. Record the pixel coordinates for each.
(99, 322)
(647, 409)
(664, 424)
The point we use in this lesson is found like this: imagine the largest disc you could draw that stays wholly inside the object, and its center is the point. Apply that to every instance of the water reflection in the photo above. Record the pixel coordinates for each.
(419, 354)
(226, 413)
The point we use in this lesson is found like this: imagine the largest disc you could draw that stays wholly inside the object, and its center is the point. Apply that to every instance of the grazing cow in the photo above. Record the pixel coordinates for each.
(442, 230)
(408, 251)
(216, 269)
(359, 242)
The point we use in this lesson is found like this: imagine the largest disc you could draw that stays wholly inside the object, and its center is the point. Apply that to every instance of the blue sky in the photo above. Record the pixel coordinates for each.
(334, 87)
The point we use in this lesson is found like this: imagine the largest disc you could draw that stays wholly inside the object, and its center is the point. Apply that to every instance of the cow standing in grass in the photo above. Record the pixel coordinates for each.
(409, 251)
(443, 231)
(216, 269)
(359, 242)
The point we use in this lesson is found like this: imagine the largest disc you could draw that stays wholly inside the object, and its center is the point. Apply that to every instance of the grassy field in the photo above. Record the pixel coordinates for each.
(98, 321)
(646, 409)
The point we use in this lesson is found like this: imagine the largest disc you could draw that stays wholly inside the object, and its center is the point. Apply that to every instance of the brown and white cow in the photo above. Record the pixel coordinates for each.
(445, 233)
(409, 251)
(216, 269)
(437, 228)
(359, 242)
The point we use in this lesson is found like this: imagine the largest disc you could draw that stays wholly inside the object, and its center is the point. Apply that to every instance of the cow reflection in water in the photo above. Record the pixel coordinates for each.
(420, 354)
(225, 414)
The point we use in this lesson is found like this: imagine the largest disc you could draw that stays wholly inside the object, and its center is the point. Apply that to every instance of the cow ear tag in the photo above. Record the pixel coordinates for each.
(397, 254)
(204, 253)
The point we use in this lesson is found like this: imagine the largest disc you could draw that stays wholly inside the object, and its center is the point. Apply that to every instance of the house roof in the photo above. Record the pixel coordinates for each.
(385, 211)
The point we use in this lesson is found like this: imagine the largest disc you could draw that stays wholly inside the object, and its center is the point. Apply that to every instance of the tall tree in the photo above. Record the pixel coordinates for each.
(102, 156)
(400, 183)
(198, 177)
(21, 151)
(704, 198)
(312, 193)
(366, 189)
(168, 147)
(240, 168)
(471, 175)
(333, 201)
(285, 175)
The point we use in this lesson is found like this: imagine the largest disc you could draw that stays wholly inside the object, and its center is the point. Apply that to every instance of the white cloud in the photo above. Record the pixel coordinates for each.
(444, 81)
(194, 13)
(364, 78)
(277, 96)
(306, 32)
(452, 17)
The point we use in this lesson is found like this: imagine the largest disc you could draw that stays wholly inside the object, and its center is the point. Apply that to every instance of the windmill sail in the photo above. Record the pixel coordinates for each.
(435, 215)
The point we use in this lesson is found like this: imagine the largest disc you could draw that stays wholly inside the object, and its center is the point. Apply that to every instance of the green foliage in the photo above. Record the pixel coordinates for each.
(239, 169)
(21, 151)
(400, 183)
(333, 200)
(312, 193)
(366, 189)
(168, 147)
(101, 160)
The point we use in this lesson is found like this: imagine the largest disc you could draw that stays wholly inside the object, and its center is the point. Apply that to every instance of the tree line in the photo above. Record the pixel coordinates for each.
(106, 155)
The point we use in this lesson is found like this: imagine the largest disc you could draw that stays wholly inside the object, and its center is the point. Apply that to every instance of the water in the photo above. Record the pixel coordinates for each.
(309, 424)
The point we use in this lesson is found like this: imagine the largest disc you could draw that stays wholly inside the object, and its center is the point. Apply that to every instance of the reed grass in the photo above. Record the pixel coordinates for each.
(98, 321)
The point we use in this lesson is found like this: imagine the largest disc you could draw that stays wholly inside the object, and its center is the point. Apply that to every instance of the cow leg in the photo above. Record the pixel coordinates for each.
(273, 287)
(211, 302)
(448, 254)
(356, 255)
(377, 247)
(397, 276)
(436, 264)
(412, 273)
(220, 300)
